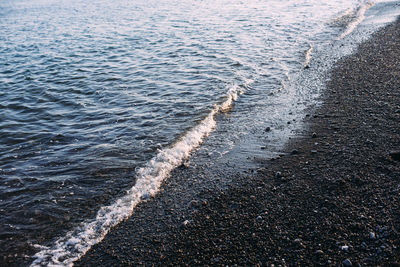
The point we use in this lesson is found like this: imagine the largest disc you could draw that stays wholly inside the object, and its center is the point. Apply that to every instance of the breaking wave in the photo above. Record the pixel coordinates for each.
(77, 242)
(353, 17)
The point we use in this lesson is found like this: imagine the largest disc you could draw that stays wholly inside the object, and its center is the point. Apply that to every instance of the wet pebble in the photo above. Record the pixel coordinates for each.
(145, 196)
(268, 129)
(319, 252)
(372, 235)
(194, 203)
(278, 175)
(344, 248)
(314, 135)
(347, 263)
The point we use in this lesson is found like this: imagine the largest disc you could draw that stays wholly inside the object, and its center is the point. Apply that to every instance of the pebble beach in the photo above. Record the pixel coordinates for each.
(331, 197)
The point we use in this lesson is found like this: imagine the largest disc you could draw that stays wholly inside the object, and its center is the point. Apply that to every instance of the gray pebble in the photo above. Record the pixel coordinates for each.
(372, 235)
(347, 263)
(145, 196)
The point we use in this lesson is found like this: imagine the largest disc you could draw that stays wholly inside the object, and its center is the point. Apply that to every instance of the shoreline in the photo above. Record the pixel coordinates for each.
(332, 199)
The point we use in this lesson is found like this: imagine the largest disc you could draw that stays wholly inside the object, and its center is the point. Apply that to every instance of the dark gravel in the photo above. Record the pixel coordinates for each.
(332, 199)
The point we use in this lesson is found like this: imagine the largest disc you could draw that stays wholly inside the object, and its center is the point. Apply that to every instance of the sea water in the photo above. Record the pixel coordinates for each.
(101, 100)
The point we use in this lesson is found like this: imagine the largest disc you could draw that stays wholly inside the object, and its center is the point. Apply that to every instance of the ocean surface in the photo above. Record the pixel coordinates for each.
(100, 100)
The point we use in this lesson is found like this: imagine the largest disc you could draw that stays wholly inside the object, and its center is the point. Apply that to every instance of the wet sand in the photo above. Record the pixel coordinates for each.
(331, 199)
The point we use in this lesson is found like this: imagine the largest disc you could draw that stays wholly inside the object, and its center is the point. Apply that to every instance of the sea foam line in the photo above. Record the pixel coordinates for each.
(308, 57)
(359, 17)
(77, 242)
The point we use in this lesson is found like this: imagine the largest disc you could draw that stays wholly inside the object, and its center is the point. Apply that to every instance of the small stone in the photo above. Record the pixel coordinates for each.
(216, 259)
(364, 245)
(395, 155)
(259, 219)
(319, 252)
(347, 263)
(261, 169)
(344, 248)
(194, 203)
(268, 129)
(288, 122)
(372, 235)
(278, 175)
(145, 196)
(294, 152)
(186, 222)
(313, 151)
(314, 135)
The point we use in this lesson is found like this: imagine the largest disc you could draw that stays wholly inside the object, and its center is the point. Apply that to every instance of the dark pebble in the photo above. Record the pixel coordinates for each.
(314, 135)
(295, 152)
(347, 263)
(145, 196)
(268, 129)
(395, 155)
(319, 252)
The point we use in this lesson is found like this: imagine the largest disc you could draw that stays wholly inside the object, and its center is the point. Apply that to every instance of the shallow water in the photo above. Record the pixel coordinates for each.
(103, 98)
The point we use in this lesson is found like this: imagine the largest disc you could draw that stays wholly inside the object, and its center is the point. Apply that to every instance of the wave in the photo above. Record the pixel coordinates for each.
(77, 242)
(353, 17)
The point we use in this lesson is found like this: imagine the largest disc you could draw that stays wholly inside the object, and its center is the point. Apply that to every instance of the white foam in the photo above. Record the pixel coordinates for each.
(77, 242)
(308, 57)
(359, 17)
